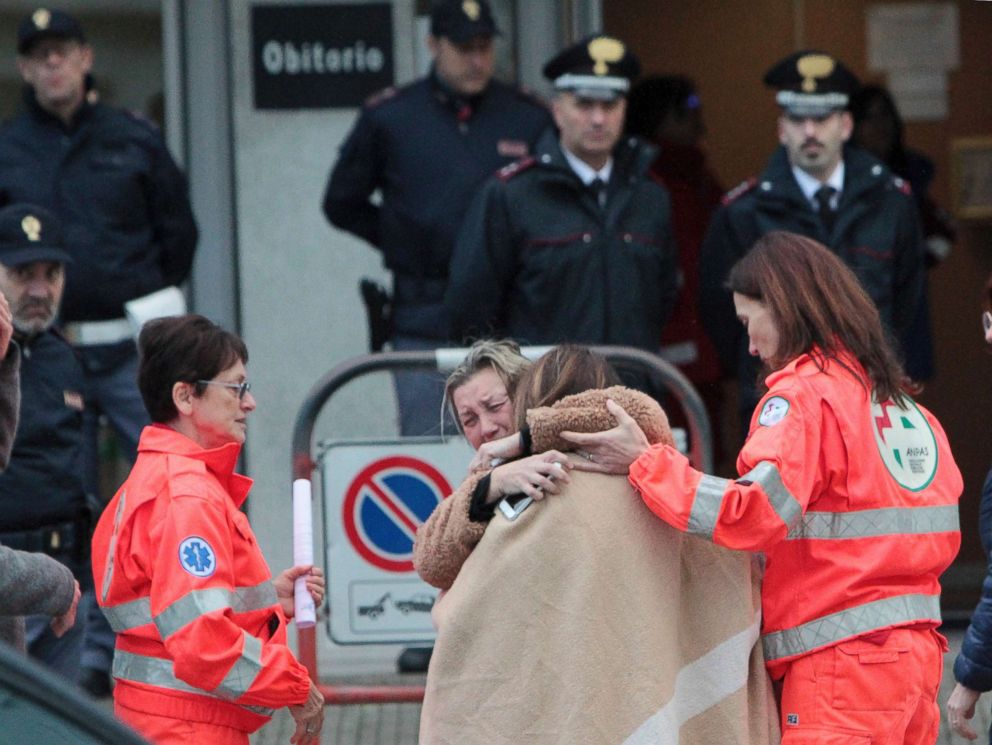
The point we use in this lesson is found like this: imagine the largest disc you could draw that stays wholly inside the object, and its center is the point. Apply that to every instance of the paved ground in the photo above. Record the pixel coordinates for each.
(397, 724)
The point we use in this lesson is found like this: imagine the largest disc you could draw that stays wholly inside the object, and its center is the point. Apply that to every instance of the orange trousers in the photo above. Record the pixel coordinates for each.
(169, 731)
(866, 693)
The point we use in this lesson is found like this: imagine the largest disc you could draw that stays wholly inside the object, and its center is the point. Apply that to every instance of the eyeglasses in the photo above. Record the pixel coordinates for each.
(241, 388)
(987, 322)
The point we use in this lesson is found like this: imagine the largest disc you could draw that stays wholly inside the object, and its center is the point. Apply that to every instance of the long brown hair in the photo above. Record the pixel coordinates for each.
(563, 371)
(819, 307)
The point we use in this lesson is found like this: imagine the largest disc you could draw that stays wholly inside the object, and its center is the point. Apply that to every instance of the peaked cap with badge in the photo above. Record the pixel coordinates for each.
(47, 24)
(811, 83)
(598, 67)
(29, 234)
(462, 20)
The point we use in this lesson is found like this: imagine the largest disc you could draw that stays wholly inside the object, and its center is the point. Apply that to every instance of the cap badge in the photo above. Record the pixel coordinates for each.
(31, 226)
(604, 50)
(812, 67)
(41, 18)
(471, 9)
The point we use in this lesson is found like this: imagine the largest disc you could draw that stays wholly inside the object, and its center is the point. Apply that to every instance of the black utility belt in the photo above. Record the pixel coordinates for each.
(58, 538)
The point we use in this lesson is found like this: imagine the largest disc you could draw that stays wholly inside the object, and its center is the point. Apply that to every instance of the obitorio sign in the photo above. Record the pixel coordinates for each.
(320, 56)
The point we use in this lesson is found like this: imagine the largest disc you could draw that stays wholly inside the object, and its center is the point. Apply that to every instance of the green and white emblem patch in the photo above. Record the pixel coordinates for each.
(773, 411)
(906, 443)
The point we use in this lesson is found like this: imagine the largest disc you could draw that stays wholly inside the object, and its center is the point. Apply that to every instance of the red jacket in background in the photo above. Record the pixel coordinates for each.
(695, 194)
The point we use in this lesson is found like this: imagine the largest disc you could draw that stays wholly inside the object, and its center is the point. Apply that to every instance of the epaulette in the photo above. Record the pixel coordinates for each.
(142, 118)
(518, 166)
(381, 96)
(740, 190)
(531, 96)
(902, 185)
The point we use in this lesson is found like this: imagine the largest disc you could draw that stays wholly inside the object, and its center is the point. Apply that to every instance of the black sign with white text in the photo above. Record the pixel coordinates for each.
(320, 56)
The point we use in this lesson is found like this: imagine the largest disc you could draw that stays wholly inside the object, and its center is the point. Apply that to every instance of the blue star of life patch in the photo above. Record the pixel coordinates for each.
(197, 557)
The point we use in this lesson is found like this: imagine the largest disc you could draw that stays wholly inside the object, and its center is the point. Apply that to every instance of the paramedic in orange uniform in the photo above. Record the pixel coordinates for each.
(201, 653)
(847, 487)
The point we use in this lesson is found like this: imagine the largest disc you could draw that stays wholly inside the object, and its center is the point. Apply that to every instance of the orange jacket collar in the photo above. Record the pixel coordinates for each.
(220, 461)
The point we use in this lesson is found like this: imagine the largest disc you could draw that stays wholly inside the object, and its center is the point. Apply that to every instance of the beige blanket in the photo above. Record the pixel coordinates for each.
(588, 620)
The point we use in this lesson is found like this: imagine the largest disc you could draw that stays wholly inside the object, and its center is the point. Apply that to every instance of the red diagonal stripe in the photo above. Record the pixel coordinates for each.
(393, 508)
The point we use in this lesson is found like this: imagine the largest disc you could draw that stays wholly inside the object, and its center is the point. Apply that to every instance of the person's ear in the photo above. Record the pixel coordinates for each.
(182, 397)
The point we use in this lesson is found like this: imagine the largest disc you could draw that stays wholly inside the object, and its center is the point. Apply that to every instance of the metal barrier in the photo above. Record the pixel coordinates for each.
(663, 375)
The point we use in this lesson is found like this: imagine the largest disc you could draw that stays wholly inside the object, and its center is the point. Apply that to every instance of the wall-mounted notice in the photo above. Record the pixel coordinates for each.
(320, 56)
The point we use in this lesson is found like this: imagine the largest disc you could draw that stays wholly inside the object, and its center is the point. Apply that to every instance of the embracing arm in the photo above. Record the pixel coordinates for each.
(587, 412)
(444, 542)
(451, 533)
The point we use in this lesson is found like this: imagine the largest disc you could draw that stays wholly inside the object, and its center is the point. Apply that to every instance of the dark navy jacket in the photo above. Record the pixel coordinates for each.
(43, 483)
(973, 666)
(122, 201)
(427, 160)
(540, 261)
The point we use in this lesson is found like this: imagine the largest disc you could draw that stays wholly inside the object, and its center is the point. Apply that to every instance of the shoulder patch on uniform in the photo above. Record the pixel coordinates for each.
(197, 557)
(902, 185)
(380, 97)
(531, 96)
(516, 167)
(773, 411)
(740, 190)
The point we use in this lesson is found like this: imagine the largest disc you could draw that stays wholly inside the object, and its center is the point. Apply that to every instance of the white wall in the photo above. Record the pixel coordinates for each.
(299, 304)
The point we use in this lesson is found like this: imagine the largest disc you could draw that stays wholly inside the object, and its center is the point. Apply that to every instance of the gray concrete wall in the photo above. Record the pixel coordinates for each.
(299, 304)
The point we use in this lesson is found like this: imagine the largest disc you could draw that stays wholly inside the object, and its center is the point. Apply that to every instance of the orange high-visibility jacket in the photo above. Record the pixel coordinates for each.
(180, 577)
(854, 504)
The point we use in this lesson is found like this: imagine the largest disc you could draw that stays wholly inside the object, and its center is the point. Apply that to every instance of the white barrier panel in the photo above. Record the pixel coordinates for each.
(376, 495)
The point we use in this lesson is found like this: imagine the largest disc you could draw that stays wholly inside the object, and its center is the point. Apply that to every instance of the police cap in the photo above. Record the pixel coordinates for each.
(811, 83)
(599, 67)
(462, 20)
(29, 234)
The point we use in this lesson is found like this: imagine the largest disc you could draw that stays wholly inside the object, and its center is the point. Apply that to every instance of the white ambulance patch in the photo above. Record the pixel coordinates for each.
(906, 443)
(773, 411)
(197, 557)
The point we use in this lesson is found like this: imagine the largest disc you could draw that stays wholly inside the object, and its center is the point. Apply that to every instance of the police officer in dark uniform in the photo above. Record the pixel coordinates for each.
(121, 199)
(426, 148)
(574, 244)
(43, 504)
(819, 187)
(125, 212)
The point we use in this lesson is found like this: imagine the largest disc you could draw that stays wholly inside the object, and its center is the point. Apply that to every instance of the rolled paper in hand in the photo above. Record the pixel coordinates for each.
(306, 613)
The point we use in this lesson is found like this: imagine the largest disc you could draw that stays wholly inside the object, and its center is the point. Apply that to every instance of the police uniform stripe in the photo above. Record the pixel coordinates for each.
(244, 671)
(706, 505)
(845, 624)
(127, 616)
(158, 672)
(869, 523)
(786, 506)
(198, 603)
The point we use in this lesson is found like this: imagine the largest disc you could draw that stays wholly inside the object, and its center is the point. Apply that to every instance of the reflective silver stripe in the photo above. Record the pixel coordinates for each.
(878, 614)
(108, 573)
(158, 672)
(706, 505)
(244, 671)
(786, 506)
(130, 615)
(888, 521)
(197, 603)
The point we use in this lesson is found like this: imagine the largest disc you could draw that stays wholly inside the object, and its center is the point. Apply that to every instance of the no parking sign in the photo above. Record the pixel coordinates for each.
(376, 496)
